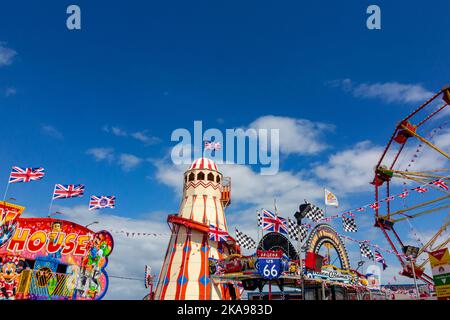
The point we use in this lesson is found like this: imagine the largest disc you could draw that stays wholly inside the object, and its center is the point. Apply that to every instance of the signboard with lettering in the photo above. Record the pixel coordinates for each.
(44, 258)
(269, 264)
(440, 267)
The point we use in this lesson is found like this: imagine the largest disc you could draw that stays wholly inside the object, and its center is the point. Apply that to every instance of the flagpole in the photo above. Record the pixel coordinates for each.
(258, 215)
(261, 226)
(6, 191)
(51, 202)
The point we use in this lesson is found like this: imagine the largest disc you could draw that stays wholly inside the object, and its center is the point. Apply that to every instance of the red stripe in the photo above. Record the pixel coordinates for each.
(169, 266)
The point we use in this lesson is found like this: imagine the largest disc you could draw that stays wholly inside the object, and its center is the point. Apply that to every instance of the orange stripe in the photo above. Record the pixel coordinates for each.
(204, 208)
(186, 269)
(204, 291)
(194, 197)
(181, 273)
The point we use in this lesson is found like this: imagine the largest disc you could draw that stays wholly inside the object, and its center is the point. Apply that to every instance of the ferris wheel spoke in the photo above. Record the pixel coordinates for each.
(428, 143)
(402, 211)
(415, 215)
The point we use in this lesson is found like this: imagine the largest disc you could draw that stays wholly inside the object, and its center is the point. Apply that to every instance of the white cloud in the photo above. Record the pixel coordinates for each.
(141, 136)
(129, 161)
(145, 138)
(6, 55)
(350, 170)
(297, 136)
(101, 154)
(51, 131)
(390, 92)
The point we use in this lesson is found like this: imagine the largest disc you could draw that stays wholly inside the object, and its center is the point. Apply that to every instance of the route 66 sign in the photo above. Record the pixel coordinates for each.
(269, 264)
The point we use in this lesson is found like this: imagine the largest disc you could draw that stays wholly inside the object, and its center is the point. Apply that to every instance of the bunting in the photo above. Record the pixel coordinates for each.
(349, 224)
(365, 251)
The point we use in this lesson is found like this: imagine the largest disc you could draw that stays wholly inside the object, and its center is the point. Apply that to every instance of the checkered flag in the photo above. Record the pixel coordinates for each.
(365, 251)
(244, 240)
(296, 231)
(314, 213)
(349, 224)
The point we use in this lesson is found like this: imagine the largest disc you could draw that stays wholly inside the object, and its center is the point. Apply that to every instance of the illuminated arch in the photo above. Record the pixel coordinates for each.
(325, 234)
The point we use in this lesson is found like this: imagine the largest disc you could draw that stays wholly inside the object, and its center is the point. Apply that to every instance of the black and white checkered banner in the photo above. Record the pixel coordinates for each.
(314, 213)
(365, 251)
(349, 224)
(244, 240)
(297, 232)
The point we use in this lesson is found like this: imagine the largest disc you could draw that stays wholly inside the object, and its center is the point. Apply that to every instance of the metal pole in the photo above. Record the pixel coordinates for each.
(323, 291)
(415, 279)
(270, 290)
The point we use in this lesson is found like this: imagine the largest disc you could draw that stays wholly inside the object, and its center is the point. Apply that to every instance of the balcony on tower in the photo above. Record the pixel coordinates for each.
(226, 192)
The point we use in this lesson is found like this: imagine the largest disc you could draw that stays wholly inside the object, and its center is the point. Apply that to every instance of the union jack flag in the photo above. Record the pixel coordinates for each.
(218, 235)
(362, 209)
(68, 191)
(390, 198)
(440, 183)
(379, 258)
(209, 145)
(26, 175)
(273, 223)
(374, 205)
(404, 194)
(101, 202)
(421, 189)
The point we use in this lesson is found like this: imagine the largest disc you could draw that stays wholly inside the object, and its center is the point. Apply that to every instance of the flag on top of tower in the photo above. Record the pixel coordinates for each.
(331, 199)
(272, 222)
(218, 235)
(210, 145)
(101, 202)
(25, 175)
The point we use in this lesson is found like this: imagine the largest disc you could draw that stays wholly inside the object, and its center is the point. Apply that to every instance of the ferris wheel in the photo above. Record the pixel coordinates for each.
(412, 180)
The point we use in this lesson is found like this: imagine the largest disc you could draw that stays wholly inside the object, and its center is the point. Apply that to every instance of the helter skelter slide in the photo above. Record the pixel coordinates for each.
(416, 156)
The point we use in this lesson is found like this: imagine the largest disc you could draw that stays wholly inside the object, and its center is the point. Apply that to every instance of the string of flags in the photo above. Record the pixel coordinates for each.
(60, 191)
(349, 224)
(316, 214)
(369, 244)
(365, 251)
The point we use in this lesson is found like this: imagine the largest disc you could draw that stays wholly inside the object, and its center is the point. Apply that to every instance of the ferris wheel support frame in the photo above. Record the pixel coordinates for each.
(384, 222)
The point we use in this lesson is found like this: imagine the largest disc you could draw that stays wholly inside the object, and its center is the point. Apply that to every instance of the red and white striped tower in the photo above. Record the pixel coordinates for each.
(185, 272)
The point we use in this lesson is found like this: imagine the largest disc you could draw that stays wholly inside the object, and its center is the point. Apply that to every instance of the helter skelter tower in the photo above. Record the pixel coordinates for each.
(185, 273)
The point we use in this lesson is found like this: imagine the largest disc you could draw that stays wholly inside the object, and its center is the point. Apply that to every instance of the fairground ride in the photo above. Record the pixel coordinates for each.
(415, 156)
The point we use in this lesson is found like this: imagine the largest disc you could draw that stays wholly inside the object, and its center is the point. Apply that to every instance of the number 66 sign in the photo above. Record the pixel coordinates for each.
(269, 264)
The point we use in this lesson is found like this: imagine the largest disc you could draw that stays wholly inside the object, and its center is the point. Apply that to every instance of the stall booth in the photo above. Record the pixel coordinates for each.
(51, 259)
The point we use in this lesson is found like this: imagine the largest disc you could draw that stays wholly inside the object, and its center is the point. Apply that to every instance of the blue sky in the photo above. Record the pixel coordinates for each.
(97, 106)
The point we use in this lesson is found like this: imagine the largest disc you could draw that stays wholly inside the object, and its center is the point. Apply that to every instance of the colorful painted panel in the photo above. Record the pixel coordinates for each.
(48, 259)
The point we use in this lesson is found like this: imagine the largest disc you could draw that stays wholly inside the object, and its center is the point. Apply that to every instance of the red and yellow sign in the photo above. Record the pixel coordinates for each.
(440, 266)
